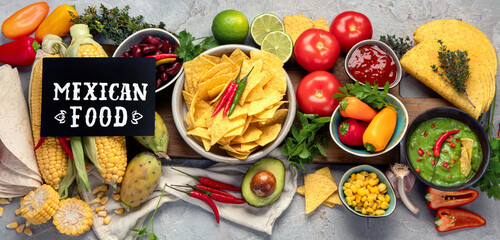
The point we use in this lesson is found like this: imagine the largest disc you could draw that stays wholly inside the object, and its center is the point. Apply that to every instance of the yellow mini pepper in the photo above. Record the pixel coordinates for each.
(57, 23)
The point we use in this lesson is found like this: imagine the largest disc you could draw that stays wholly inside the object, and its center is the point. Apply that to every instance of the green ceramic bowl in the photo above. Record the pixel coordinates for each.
(382, 178)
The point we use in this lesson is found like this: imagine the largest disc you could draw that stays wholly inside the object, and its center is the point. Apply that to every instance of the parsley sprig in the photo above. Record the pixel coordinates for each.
(366, 93)
(490, 182)
(454, 68)
(115, 23)
(188, 50)
(303, 144)
(399, 45)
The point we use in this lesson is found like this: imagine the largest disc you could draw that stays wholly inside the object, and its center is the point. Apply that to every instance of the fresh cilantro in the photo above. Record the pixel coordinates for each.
(490, 182)
(366, 93)
(115, 23)
(303, 145)
(143, 231)
(188, 50)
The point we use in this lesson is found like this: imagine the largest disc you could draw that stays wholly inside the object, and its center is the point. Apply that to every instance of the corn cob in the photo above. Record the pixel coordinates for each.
(73, 217)
(40, 205)
(109, 154)
(51, 158)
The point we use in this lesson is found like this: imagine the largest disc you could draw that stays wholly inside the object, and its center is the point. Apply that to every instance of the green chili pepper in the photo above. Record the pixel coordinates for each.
(239, 91)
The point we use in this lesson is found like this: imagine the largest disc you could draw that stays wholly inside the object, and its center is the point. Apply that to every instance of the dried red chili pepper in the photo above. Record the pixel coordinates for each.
(448, 219)
(440, 140)
(436, 198)
(66, 147)
(202, 197)
(211, 183)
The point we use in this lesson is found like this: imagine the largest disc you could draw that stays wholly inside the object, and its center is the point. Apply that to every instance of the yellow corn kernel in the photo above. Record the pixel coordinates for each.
(17, 212)
(355, 186)
(384, 205)
(369, 210)
(116, 196)
(348, 192)
(112, 157)
(354, 203)
(374, 190)
(358, 209)
(104, 200)
(349, 202)
(370, 198)
(20, 228)
(28, 231)
(1, 211)
(119, 211)
(117, 190)
(362, 192)
(385, 191)
(387, 198)
(100, 188)
(375, 205)
(382, 187)
(106, 220)
(360, 183)
(358, 198)
(379, 212)
(40, 205)
(365, 204)
(102, 213)
(12, 225)
(366, 182)
(353, 176)
(373, 175)
(77, 197)
(4, 201)
(360, 176)
(100, 208)
(95, 200)
(365, 173)
(373, 182)
(363, 199)
(380, 197)
(73, 217)
(363, 211)
(100, 194)
(360, 204)
(91, 50)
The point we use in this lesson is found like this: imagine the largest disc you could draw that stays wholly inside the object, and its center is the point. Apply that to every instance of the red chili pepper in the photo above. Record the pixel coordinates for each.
(419, 159)
(433, 125)
(448, 219)
(214, 190)
(224, 99)
(223, 198)
(453, 160)
(452, 145)
(202, 197)
(211, 183)
(40, 142)
(425, 133)
(444, 164)
(163, 55)
(457, 140)
(230, 99)
(440, 140)
(19, 52)
(66, 147)
(420, 152)
(418, 170)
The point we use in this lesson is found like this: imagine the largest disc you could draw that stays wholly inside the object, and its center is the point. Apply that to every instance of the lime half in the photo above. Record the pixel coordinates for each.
(279, 44)
(263, 25)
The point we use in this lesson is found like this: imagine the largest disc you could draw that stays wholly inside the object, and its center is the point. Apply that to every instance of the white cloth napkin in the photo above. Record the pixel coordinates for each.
(262, 219)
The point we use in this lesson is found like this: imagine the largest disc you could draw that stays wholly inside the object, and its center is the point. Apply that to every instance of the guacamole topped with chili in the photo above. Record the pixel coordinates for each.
(420, 151)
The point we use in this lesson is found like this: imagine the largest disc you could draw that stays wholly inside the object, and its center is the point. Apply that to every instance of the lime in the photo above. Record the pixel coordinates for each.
(279, 44)
(263, 25)
(230, 26)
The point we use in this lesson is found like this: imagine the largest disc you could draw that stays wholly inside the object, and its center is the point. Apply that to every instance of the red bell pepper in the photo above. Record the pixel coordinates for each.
(436, 198)
(19, 52)
(448, 219)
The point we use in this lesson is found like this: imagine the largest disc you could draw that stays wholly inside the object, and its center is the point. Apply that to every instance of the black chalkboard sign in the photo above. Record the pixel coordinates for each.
(98, 97)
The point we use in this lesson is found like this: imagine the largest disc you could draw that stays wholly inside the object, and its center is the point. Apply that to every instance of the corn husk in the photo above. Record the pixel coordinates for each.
(158, 143)
(80, 35)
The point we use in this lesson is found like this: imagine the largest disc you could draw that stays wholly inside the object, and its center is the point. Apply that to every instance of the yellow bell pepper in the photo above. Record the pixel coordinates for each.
(57, 23)
(379, 132)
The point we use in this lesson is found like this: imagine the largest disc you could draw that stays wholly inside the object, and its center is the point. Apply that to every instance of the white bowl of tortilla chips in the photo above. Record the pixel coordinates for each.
(260, 121)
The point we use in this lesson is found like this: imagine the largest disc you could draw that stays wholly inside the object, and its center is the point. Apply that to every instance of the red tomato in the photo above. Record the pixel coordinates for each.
(316, 49)
(315, 91)
(350, 28)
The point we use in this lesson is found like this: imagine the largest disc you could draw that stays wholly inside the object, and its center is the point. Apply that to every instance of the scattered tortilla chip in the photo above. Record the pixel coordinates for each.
(317, 189)
(296, 25)
(321, 24)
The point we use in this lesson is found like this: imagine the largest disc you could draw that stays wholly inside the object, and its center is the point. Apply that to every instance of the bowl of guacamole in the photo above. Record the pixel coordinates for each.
(446, 148)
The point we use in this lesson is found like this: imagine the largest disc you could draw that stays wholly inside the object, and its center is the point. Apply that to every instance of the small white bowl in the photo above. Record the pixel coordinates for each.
(387, 49)
(397, 136)
(179, 111)
(382, 179)
(138, 36)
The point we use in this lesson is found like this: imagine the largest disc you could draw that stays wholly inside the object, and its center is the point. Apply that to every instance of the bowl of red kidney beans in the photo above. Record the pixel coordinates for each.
(149, 42)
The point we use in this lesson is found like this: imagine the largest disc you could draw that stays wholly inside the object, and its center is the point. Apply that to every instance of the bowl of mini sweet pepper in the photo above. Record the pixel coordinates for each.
(446, 148)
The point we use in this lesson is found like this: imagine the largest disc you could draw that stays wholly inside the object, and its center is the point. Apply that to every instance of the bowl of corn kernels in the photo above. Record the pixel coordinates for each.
(367, 192)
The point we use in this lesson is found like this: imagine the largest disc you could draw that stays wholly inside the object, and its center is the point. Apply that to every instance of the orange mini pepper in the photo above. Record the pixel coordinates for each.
(25, 21)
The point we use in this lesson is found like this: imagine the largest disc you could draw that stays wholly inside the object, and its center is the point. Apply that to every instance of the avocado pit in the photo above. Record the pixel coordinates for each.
(263, 184)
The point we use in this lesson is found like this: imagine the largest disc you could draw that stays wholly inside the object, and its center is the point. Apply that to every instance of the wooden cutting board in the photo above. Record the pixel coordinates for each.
(179, 149)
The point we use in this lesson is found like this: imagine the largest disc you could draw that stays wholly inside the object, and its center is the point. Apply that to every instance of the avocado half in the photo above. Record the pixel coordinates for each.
(271, 165)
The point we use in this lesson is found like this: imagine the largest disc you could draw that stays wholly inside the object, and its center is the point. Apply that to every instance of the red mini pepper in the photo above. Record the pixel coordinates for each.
(202, 197)
(448, 219)
(212, 183)
(436, 198)
(19, 52)
(440, 140)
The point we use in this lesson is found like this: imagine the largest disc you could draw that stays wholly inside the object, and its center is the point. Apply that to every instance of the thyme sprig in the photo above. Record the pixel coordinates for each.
(399, 45)
(454, 66)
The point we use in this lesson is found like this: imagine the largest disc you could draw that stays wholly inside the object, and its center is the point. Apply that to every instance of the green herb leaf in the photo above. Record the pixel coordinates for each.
(366, 93)
(188, 50)
(399, 45)
(490, 181)
(303, 145)
(143, 231)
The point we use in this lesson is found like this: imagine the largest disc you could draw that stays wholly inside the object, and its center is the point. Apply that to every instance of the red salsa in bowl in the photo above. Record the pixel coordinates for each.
(374, 62)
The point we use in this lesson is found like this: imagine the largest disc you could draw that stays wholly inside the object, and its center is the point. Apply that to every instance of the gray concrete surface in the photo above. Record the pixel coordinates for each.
(182, 221)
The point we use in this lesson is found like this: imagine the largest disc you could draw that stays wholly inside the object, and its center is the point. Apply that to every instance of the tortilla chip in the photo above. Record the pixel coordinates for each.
(212, 59)
(296, 25)
(317, 189)
(269, 134)
(466, 155)
(272, 97)
(188, 98)
(251, 134)
(321, 24)
(278, 117)
(238, 56)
